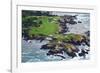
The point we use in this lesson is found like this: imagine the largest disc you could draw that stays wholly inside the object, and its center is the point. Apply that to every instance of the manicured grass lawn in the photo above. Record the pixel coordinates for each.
(47, 27)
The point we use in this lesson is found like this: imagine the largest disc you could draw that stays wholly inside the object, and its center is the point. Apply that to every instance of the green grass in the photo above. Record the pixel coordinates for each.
(47, 27)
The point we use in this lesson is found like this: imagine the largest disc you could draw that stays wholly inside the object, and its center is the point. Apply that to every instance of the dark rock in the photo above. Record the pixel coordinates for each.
(87, 40)
(70, 19)
(41, 38)
(79, 22)
(71, 54)
(61, 56)
(53, 52)
(72, 22)
(87, 33)
(44, 47)
(83, 53)
(47, 46)
(70, 50)
(87, 43)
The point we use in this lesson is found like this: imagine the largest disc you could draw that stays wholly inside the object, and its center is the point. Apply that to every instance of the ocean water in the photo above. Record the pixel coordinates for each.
(31, 52)
(80, 28)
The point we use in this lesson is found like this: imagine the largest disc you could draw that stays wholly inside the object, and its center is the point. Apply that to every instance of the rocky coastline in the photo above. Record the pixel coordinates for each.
(64, 42)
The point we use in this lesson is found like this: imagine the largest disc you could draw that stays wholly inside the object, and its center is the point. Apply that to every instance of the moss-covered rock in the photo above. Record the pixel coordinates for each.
(75, 39)
(70, 48)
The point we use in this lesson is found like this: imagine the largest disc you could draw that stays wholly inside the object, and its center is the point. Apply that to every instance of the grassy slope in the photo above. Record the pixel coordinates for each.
(47, 27)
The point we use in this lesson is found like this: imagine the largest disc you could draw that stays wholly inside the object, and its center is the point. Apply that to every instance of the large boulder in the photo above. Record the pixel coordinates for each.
(48, 46)
(54, 52)
(71, 54)
(70, 50)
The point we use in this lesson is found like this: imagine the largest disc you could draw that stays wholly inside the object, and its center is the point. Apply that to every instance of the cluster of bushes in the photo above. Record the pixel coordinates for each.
(30, 21)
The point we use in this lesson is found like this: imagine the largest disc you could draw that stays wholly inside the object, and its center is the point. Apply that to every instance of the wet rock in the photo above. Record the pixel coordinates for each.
(71, 54)
(44, 47)
(47, 46)
(70, 48)
(87, 33)
(83, 53)
(72, 22)
(87, 40)
(79, 22)
(54, 51)
(77, 39)
(60, 56)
